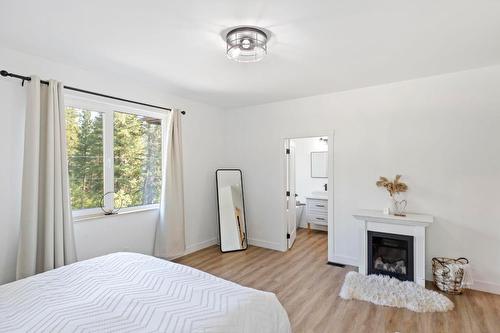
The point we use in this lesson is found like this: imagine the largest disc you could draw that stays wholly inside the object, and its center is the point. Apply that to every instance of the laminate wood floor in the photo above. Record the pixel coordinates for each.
(308, 289)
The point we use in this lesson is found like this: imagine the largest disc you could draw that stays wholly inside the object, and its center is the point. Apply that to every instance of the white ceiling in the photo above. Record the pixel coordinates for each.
(317, 47)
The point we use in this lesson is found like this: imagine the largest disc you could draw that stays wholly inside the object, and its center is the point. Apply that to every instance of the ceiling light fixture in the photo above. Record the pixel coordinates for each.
(246, 44)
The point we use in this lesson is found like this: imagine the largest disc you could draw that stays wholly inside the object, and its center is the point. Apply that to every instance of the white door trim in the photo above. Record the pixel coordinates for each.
(290, 197)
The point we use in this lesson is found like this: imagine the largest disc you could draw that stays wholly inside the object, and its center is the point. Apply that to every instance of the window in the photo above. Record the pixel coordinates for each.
(85, 157)
(137, 155)
(112, 149)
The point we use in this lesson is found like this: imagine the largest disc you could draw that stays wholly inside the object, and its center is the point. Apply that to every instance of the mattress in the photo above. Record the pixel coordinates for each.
(129, 292)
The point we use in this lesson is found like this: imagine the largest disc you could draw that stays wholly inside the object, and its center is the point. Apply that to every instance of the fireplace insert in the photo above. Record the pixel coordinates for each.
(391, 254)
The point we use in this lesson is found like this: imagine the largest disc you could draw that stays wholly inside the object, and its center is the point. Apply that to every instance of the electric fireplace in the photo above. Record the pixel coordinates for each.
(390, 254)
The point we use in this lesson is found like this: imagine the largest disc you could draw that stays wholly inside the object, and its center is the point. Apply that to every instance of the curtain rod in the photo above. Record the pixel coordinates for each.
(27, 78)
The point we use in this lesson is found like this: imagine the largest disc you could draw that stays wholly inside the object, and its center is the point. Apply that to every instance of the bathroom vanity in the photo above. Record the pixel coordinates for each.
(317, 210)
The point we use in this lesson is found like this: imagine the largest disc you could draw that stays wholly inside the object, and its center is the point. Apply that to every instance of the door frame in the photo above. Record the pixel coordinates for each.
(289, 197)
(331, 188)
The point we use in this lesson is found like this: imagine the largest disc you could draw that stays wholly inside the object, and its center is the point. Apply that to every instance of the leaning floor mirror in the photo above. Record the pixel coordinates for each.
(231, 210)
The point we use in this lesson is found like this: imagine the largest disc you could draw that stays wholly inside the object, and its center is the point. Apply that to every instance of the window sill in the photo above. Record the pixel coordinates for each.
(126, 211)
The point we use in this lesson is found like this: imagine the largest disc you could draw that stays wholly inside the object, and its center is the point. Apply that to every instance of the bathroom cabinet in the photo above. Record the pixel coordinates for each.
(317, 211)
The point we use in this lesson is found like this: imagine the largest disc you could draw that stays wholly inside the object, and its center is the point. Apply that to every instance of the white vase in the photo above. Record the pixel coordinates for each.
(392, 207)
(395, 207)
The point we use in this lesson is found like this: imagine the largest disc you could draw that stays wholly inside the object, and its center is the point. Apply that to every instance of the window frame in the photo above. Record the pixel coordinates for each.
(108, 109)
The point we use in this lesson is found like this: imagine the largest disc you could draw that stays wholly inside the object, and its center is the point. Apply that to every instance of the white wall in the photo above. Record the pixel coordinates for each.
(202, 133)
(442, 133)
(11, 147)
(131, 232)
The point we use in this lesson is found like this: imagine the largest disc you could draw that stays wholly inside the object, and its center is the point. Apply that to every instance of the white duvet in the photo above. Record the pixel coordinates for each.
(128, 292)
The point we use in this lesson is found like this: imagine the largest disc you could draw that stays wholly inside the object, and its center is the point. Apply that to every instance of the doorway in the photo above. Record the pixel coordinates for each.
(307, 186)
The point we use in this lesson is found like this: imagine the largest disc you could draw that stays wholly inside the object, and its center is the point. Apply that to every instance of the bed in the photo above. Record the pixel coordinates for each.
(130, 292)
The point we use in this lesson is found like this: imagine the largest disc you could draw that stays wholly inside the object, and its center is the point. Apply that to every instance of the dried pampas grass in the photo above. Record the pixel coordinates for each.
(393, 187)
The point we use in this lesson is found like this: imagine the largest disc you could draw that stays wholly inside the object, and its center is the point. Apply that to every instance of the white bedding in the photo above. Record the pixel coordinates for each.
(128, 292)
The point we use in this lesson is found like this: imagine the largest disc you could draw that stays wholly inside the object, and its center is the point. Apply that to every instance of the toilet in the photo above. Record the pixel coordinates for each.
(299, 210)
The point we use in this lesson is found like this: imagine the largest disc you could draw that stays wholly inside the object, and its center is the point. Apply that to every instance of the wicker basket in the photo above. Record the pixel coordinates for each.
(442, 277)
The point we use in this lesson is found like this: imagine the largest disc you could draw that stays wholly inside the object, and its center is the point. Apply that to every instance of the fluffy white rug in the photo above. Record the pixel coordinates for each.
(383, 290)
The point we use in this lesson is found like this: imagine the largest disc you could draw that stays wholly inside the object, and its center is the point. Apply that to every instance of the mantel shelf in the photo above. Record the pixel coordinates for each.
(378, 216)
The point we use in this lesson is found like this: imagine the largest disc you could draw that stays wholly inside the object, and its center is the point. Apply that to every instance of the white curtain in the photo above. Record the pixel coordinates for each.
(46, 239)
(169, 239)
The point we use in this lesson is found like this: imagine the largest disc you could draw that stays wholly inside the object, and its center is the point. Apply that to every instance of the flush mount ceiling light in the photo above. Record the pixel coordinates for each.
(246, 44)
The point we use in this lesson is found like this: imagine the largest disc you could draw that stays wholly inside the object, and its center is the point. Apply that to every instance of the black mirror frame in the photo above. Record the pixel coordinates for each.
(244, 209)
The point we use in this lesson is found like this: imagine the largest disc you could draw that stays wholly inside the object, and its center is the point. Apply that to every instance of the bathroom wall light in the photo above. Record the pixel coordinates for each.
(246, 44)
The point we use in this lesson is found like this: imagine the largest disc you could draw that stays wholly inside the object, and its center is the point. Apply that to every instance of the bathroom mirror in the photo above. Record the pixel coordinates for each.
(319, 164)
(231, 210)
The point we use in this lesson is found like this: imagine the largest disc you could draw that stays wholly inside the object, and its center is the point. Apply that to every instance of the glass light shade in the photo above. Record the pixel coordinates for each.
(246, 44)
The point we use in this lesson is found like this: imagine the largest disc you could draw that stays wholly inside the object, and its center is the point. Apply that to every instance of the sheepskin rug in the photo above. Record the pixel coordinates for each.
(384, 290)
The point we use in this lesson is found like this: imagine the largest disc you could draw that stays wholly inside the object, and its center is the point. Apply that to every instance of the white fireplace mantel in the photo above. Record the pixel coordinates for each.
(411, 225)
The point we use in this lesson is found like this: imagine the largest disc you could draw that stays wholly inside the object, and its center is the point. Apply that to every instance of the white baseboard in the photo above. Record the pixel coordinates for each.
(345, 260)
(265, 244)
(256, 242)
(485, 286)
(200, 246)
